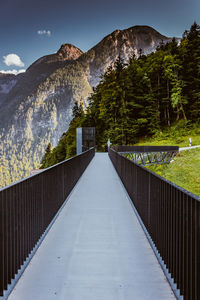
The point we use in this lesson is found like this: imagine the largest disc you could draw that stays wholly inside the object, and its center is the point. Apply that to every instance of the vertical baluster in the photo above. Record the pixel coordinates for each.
(170, 222)
(9, 232)
(174, 234)
(187, 250)
(180, 251)
(13, 230)
(177, 220)
(193, 242)
(2, 232)
(5, 240)
(197, 251)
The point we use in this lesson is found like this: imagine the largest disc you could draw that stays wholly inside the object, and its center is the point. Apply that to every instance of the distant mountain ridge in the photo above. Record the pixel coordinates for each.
(36, 106)
(120, 42)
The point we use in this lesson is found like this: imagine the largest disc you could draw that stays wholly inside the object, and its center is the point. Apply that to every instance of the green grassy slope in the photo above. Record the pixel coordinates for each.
(176, 135)
(184, 170)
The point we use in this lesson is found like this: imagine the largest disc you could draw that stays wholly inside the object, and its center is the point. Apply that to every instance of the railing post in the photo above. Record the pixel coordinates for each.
(197, 251)
(1, 246)
(149, 201)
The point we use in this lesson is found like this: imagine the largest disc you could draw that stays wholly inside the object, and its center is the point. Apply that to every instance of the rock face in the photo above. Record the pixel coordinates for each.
(69, 52)
(7, 82)
(36, 106)
(125, 43)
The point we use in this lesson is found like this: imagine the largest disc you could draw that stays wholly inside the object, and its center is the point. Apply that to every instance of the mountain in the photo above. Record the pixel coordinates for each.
(36, 106)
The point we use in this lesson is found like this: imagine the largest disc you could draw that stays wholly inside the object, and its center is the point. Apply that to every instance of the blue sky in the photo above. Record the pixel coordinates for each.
(30, 29)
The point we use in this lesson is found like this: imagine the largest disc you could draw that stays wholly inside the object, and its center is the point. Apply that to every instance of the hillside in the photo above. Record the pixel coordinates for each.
(176, 135)
(183, 170)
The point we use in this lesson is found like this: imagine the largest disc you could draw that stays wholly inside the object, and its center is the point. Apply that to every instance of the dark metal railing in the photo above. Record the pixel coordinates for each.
(150, 158)
(171, 215)
(28, 207)
(145, 148)
(148, 155)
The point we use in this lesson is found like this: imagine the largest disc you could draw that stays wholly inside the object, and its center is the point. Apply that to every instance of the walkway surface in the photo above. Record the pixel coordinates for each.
(96, 249)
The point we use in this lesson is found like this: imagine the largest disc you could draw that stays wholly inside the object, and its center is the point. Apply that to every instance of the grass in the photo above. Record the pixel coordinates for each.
(176, 135)
(184, 170)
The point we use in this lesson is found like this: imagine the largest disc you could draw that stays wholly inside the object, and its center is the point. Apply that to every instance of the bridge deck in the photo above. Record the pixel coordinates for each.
(96, 249)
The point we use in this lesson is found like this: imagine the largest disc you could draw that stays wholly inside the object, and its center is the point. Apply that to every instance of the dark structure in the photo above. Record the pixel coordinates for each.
(171, 215)
(28, 207)
(85, 139)
(148, 155)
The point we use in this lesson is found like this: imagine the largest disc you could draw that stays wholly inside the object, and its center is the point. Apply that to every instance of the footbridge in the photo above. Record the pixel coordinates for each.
(98, 227)
(148, 155)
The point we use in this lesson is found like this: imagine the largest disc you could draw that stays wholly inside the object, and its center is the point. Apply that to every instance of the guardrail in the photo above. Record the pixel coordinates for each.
(28, 207)
(171, 216)
(145, 148)
(148, 155)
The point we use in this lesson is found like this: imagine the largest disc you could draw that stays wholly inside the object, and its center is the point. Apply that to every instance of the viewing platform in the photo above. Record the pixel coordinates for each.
(96, 249)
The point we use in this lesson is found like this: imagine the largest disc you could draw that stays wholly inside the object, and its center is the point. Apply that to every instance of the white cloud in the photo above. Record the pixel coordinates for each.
(13, 59)
(44, 32)
(15, 72)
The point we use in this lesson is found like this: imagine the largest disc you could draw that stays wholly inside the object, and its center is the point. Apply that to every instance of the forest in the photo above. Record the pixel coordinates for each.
(139, 98)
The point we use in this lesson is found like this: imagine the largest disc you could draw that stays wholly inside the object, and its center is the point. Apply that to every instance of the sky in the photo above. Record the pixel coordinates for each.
(30, 29)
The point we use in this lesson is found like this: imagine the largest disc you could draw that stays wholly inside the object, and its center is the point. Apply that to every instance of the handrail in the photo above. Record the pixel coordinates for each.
(28, 207)
(171, 216)
(145, 148)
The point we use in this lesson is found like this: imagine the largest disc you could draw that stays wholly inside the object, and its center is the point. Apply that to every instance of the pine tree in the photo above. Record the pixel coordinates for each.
(44, 161)
(190, 56)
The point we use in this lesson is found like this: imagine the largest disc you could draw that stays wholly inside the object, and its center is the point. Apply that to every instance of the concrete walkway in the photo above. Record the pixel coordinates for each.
(96, 249)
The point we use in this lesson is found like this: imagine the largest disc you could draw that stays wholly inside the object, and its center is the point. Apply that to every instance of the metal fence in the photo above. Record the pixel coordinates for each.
(172, 217)
(28, 207)
(145, 148)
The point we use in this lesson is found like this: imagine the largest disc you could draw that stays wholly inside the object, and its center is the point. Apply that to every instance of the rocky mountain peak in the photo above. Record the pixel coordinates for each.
(126, 43)
(116, 32)
(69, 52)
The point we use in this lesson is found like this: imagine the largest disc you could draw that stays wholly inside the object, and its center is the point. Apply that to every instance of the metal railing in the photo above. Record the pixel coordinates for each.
(171, 216)
(28, 207)
(148, 155)
(145, 148)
